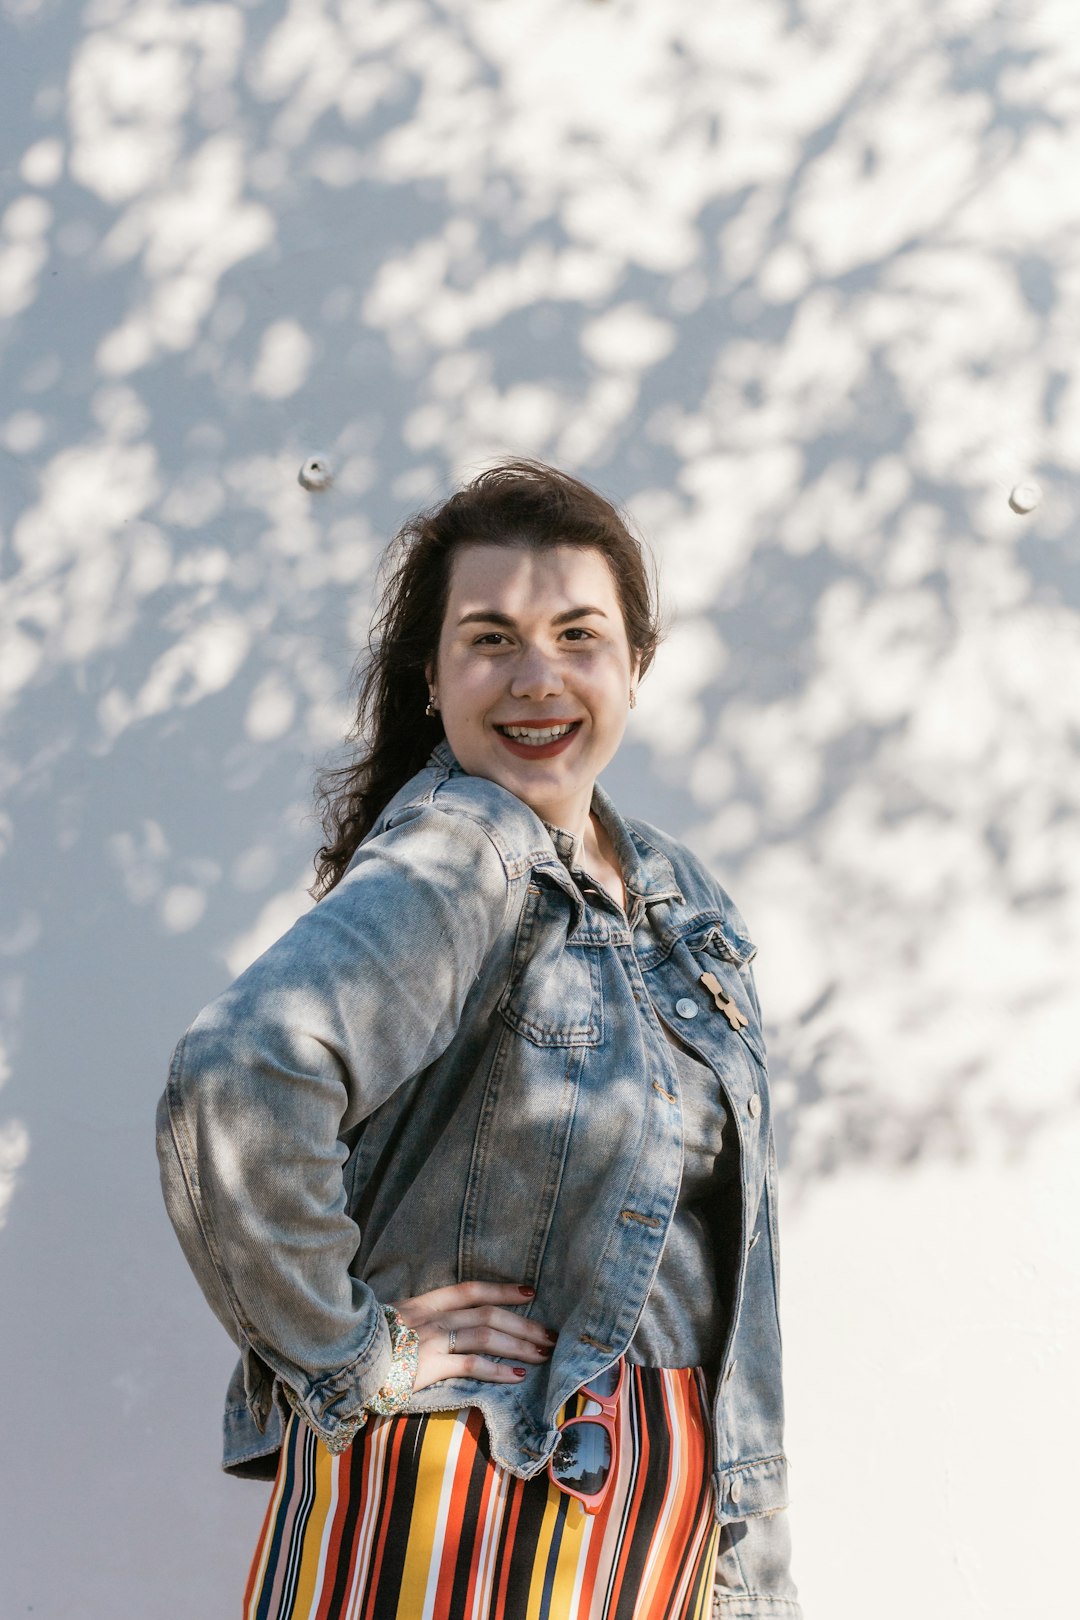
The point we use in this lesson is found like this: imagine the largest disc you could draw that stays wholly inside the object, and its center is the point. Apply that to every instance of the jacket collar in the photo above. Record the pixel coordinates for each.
(647, 873)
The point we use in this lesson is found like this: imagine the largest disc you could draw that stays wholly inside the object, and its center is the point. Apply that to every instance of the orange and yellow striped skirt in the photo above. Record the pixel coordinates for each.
(415, 1522)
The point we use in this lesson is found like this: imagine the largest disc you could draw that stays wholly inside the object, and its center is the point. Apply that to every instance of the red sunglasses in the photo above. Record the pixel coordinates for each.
(583, 1462)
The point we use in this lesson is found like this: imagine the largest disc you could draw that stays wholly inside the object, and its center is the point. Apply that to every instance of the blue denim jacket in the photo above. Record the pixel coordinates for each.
(453, 1067)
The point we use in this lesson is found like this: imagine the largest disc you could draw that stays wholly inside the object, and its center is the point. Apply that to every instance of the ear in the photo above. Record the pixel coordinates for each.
(429, 673)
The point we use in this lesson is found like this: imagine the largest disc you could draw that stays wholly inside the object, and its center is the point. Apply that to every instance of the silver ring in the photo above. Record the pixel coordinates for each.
(452, 1341)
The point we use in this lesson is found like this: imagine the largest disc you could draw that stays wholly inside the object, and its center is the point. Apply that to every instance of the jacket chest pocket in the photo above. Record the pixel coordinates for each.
(554, 997)
(731, 1005)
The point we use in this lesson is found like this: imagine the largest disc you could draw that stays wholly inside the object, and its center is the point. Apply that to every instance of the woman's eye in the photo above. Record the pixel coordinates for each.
(489, 639)
(576, 630)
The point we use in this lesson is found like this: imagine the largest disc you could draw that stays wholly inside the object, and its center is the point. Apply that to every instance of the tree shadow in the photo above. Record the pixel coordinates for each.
(801, 303)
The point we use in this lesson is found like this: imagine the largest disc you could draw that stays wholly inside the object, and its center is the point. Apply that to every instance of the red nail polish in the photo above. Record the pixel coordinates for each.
(519, 1372)
(523, 1288)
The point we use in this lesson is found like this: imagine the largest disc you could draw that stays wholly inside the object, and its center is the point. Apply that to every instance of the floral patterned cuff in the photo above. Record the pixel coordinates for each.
(394, 1395)
(404, 1354)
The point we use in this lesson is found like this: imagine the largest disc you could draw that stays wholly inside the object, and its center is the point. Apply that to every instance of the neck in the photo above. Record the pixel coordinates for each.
(594, 839)
(574, 819)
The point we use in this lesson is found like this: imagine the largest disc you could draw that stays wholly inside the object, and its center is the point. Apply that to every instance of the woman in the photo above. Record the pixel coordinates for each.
(483, 1143)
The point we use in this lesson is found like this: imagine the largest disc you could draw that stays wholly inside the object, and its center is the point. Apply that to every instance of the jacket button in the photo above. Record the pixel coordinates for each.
(686, 1008)
(754, 1104)
(735, 1490)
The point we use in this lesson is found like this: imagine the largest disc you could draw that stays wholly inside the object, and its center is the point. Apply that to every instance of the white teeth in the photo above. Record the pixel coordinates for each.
(537, 734)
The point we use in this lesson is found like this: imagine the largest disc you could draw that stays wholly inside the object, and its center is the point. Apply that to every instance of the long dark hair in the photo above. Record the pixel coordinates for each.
(516, 503)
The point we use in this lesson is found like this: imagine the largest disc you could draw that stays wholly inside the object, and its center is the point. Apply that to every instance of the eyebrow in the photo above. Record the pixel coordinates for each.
(491, 616)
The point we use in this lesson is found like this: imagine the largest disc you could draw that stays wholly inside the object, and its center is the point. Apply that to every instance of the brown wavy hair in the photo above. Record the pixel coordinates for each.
(516, 503)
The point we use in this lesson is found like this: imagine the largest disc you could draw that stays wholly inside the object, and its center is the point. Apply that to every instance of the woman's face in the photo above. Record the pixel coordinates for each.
(534, 672)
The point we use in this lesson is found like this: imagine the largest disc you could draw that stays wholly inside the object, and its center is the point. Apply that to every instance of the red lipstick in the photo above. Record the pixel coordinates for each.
(527, 750)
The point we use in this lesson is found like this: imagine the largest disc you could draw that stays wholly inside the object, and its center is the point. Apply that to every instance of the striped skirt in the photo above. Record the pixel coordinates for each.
(415, 1522)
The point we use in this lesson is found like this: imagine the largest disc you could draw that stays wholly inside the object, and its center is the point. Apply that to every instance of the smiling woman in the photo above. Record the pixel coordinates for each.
(459, 607)
(476, 1162)
(538, 704)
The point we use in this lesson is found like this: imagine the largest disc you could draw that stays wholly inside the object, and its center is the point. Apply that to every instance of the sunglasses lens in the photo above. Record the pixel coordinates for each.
(582, 1457)
(607, 1382)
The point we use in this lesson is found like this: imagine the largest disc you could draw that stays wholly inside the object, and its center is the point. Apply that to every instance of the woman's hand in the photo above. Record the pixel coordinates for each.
(473, 1319)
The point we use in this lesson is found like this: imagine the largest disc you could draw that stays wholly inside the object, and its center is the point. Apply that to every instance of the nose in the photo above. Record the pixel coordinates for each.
(536, 676)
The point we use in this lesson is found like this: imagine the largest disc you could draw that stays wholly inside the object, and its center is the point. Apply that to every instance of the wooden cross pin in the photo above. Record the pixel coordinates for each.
(724, 1003)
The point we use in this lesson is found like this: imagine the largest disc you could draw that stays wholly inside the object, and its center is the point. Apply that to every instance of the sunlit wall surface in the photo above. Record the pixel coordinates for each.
(800, 284)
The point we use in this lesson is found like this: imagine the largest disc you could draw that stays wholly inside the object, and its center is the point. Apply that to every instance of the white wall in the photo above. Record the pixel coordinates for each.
(801, 284)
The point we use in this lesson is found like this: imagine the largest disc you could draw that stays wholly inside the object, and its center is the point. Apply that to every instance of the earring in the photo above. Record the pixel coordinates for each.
(432, 706)
(633, 698)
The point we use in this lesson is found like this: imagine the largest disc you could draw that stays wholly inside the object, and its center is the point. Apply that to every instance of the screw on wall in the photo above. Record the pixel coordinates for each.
(315, 474)
(1025, 497)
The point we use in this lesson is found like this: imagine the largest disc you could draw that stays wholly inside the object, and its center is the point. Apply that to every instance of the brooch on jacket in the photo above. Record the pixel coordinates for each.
(724, 1003)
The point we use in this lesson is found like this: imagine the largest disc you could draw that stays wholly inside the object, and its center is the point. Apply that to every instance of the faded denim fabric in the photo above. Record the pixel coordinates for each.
(752, 1579)
(453, 1067)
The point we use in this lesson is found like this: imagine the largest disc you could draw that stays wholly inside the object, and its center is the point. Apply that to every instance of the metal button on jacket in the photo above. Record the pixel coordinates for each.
(754, 1104)
(686, 1008)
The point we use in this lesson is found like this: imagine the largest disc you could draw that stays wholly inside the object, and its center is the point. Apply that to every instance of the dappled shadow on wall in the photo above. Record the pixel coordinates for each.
(803, 311)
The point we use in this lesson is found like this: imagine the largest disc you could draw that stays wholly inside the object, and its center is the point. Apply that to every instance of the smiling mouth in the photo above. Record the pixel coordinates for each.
(539, 736)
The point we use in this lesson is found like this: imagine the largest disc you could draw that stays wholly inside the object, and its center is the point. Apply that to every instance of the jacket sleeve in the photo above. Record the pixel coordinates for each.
(360, 995)
(752, 1579)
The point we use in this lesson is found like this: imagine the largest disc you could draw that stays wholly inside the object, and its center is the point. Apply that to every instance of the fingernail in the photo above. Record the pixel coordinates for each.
(519, 1372)
(523, 1288)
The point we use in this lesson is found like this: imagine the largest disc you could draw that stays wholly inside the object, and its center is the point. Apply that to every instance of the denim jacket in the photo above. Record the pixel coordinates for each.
(454, 1067)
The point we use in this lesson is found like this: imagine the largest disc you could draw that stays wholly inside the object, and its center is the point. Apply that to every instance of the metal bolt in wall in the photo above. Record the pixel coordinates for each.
(315, 474)
(1025, 497)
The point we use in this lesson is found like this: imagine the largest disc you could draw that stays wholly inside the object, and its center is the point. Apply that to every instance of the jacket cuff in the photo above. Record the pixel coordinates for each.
(752, 1579)
(745, 1606)
(334, 1407)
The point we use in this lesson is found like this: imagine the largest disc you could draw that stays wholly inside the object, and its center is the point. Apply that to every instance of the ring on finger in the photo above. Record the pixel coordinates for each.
(452, 1341)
